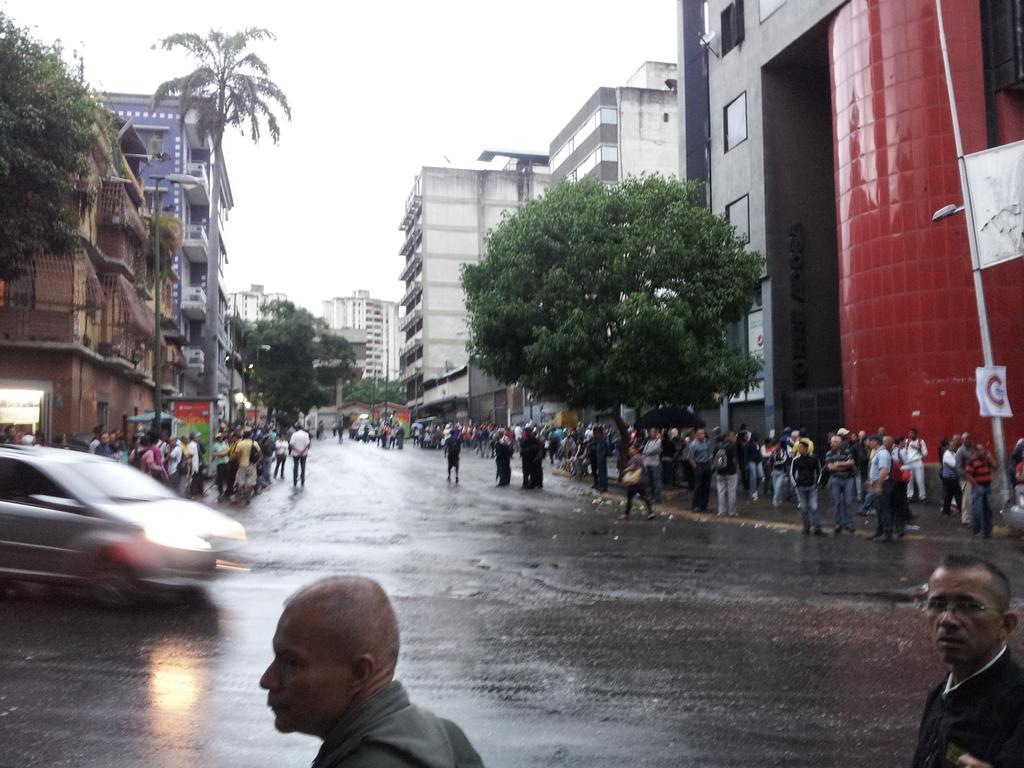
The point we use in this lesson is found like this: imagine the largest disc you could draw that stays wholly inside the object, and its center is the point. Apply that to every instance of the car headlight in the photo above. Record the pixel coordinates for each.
(231, 530)
(175, 538)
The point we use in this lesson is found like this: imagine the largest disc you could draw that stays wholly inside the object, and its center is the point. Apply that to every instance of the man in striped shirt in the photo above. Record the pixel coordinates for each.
(979, 474)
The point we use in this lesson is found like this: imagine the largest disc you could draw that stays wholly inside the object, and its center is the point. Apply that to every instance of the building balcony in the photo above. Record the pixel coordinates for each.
(195, 358)
(413, 207)
(200, 193)
(193, 302)
(412, 346)
(414, 238)
(194, 243)
(410, 320)
(412, 268)
(412, 370)
(412, 295)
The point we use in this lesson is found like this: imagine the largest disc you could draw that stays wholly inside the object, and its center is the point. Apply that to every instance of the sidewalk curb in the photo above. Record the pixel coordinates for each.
(617, 490)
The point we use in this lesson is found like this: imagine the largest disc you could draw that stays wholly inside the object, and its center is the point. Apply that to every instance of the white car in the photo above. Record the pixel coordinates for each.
(72, 517)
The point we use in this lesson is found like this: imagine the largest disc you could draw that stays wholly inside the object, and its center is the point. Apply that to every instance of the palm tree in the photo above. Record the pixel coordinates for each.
(230, 88)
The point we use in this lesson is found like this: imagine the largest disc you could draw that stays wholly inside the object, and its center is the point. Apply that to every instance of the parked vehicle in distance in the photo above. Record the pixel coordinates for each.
(74, 518)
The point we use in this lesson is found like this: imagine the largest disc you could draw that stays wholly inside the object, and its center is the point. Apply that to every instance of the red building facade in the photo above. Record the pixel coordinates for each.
(908, 318)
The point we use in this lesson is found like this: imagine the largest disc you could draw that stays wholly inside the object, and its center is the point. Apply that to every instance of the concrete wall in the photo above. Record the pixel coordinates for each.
(648, 132)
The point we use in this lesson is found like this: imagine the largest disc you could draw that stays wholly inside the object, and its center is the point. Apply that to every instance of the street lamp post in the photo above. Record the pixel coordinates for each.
(185, 181)
(979, 289)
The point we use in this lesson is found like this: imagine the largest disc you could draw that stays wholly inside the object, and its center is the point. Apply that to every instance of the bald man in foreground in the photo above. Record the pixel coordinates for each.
(332, 676)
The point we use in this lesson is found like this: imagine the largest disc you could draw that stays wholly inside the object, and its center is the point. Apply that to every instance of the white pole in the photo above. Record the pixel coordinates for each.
(979, 290)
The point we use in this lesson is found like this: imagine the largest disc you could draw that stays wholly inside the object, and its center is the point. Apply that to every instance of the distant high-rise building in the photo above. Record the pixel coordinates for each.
(621, 132)
(379, 319)
(249, 305)
(447, 217)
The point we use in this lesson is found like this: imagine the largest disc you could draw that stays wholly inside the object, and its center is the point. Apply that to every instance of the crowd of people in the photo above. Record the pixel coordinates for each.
(874, 474)
(241, 461)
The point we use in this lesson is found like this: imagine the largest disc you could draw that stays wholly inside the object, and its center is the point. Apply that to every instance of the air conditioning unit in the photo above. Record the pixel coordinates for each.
(195, 357)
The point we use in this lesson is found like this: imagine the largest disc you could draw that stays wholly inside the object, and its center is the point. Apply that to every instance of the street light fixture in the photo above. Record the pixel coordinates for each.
(972, 242)
(946, 211)
(186, 181)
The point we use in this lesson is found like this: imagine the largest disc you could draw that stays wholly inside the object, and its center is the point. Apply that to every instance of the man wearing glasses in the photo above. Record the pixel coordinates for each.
(975, 717)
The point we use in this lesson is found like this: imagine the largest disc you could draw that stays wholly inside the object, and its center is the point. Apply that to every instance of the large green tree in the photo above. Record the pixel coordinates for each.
(607, 296)
(304, 362)
(229, 88)
(376, 391)
(46, 134)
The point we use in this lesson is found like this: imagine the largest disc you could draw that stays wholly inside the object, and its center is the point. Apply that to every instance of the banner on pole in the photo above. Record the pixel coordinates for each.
(990, 388)
(995, 178)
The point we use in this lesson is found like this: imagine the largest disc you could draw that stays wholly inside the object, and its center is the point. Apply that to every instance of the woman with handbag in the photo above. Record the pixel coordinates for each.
(634, 477)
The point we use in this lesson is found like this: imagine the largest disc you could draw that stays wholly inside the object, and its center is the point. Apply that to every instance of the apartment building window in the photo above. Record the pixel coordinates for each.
(609, 154)
(738, 213)
(609, 116)
(768, 7)
(732, 26)
(736, 121)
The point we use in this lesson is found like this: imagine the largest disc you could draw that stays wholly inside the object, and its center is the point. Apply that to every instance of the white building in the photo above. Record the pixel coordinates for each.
(379, 319)
(447, 217)
(249, 305)
(622, 132)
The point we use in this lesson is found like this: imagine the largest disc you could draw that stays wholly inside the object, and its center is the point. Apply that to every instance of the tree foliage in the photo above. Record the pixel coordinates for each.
(604, 296)
(46, 134)
(229, 88)
(304, 362)
(376, 391)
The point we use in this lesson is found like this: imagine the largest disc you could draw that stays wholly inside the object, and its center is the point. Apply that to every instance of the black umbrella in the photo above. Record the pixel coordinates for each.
(670, 416)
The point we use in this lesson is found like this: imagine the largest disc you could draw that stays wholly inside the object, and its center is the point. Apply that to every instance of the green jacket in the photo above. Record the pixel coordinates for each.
(386, 731)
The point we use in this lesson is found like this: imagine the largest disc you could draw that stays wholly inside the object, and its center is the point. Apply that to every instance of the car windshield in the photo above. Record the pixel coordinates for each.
(116, 482)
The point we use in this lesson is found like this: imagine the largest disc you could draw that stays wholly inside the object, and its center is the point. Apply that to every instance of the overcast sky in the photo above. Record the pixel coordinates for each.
(377, 91)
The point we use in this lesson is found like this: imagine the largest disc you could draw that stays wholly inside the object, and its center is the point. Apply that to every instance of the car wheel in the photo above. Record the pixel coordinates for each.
(113, 584)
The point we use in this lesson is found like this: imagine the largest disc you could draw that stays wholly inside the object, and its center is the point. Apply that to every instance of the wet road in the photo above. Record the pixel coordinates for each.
(553, 633)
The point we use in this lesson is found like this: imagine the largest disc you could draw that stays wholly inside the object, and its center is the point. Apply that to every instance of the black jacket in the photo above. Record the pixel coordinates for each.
(984, 717)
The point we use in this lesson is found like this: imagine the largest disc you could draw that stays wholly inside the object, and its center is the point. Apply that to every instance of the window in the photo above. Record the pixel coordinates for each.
(768, 7)
(19, 483)
(609, 154)
(738, 213)
(732, 26)
(736, 122)
(609, 116)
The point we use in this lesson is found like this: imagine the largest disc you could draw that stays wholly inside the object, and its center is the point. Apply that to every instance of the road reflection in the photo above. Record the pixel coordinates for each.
(176, 678)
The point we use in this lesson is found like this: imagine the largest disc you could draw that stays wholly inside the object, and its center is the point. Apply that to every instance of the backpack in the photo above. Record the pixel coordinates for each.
(720, 461)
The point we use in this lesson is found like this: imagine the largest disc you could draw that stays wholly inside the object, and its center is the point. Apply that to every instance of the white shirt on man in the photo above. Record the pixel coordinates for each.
(299, 442)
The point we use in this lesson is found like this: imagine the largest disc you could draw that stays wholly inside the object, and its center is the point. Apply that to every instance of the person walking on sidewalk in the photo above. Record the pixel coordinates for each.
(652, 462)
(881, 488)
(782, 462)
(280, 455)
(963, 458)
(599, 453)
(914, 454)
(726, 464)
(299, 445)
(700, 461)
(634, 477)
(950, 476)
(979, 472)
(805, 473)
(841, 469)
